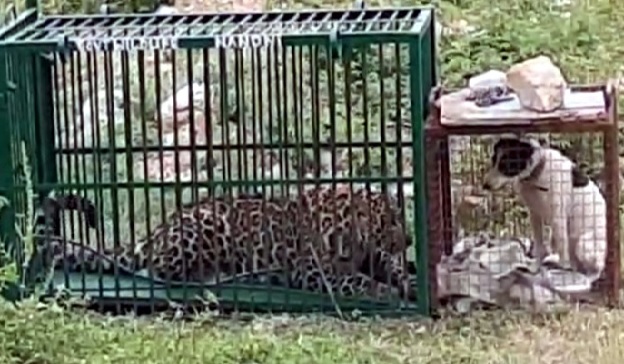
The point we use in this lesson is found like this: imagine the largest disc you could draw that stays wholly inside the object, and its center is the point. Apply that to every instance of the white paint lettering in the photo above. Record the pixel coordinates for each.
(125, 44)
(245, 41)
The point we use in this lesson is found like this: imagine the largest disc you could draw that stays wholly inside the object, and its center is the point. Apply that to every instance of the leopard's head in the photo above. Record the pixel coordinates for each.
(378, 218)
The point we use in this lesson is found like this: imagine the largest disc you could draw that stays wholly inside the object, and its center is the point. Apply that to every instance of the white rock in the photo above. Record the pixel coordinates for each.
(166, 10)
(181, 104)
(488, 79)
(539, 84)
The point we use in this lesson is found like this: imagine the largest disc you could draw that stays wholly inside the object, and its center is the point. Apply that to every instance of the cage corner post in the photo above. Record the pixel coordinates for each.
(44, 120)
(7, 188)
(34, 4)
(435, 206)
(420, 175)
(612, 166)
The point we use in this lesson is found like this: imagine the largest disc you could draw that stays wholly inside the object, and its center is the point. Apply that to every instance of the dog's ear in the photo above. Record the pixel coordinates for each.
(509, 143)
(579, 177)
(519, 148)
(512, 156)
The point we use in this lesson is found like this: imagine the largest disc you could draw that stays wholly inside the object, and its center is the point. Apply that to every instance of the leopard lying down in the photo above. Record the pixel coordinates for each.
(350, 242)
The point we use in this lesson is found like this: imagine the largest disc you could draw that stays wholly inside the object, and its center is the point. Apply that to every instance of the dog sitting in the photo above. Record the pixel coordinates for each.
(558, 194)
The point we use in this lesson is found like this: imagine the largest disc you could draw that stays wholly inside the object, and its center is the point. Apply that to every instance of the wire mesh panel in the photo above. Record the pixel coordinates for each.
(529, 210)
(254, 161)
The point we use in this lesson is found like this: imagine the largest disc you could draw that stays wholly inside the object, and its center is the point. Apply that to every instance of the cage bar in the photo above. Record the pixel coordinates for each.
(461, 151)
(223, 129)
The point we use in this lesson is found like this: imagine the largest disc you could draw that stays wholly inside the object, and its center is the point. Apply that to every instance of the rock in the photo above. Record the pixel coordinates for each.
(491, 78)
(538, 83)
(489, 88)
(166, 10)
(181, 105)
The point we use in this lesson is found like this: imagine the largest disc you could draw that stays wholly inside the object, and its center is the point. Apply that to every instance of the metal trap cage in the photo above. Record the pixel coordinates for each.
(263, 161)
(500, 182)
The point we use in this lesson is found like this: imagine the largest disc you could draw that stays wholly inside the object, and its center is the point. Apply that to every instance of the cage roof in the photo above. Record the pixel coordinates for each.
(139, 28)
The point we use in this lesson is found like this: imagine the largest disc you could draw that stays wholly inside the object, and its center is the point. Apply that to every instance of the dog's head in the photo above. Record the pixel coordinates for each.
(512, 160)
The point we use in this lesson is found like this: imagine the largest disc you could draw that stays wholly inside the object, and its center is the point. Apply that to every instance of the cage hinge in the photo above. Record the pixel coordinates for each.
(64, 47)
(334, 43)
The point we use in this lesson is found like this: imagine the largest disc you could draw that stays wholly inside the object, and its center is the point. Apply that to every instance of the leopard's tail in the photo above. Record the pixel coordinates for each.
(74, 256)
(70, 255)
(47, 228)
(53, 205)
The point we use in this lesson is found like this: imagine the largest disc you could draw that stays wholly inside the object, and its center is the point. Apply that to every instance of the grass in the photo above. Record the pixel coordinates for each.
(52, 335)
(584, 38)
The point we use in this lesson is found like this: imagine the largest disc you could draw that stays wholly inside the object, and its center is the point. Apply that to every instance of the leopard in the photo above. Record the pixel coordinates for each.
(326, 239)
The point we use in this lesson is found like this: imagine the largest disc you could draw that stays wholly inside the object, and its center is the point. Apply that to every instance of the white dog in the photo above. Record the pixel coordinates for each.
(559, 195)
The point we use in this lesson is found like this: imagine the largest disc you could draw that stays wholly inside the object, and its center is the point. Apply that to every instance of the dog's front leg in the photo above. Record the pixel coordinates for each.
(560, 243)
(539, 250)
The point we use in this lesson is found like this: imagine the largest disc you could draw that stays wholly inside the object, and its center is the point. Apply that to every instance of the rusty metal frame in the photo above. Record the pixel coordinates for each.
(439, 178)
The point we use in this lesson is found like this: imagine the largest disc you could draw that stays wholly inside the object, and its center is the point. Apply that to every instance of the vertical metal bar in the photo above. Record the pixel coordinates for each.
(297, 92)
(612, 179)
(7, 214)
(29, 70)
(270, 125)
(81, 99)
(259, 143)
(36, 4)
(21, 135)
(316, 110)
(399, 126)
(362, 51)
(419, 160)
(347, 52)
(161, 165)
(331, 87)
(83, 233)
(146, 188)
(225, 128)
(16, 198)
(208, 117)
(445, 187)
(92, 71)
(210, 158)
(177, 150)
(65, 170)
(72, 157)
(399, 137)
(193, 156)
(283, 111)
(239, 118)
(44, 124)
(382, 119)
(316, 69)
(109, 82)
(299, 122)
(125, 80)
(16, 113)
(277, 76)
(256, 82)
(259, 153)
(225, 142)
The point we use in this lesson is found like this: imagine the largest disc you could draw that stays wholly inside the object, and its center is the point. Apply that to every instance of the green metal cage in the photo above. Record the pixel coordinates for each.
(145, 115)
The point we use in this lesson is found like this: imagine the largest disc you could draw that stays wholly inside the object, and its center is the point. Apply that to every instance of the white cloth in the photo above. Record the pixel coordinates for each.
(500, 272)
